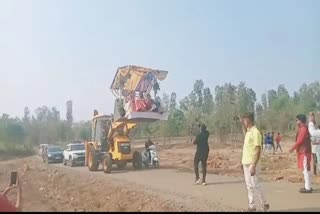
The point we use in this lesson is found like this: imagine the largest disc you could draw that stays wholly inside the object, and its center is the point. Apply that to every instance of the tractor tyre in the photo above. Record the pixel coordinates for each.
(93, 163)
(107, 163)
(137, 160)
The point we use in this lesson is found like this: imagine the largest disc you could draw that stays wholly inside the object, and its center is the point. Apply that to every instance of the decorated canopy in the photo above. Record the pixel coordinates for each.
(134, 78)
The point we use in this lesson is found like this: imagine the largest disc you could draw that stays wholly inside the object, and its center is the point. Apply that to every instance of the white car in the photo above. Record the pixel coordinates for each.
(74, 154)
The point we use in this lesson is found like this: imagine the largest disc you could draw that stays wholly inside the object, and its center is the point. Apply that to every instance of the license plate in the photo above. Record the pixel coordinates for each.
(58, 158)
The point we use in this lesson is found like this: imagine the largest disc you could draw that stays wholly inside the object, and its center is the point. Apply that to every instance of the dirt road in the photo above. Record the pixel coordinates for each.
(226, 192)
(55, 187)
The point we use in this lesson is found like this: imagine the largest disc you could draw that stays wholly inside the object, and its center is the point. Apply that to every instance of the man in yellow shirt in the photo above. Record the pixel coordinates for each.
(250, 158)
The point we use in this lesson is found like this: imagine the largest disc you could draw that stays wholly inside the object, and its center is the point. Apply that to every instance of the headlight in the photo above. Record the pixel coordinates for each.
(49, 155)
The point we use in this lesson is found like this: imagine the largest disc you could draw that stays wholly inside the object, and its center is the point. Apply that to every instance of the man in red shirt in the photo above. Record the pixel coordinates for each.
(278, 140)
(303, 149)
(5, 204)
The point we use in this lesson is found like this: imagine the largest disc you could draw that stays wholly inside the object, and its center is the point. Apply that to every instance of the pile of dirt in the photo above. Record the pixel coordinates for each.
(227, 161)
(51, 189)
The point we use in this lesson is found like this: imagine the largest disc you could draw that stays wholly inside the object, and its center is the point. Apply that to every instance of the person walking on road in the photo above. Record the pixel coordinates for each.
(278, 141)
(201, 154)
(303, 149)
(250, 162)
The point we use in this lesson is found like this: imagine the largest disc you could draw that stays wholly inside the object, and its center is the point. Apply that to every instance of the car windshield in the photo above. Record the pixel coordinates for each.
(77, 147)
(54, 149)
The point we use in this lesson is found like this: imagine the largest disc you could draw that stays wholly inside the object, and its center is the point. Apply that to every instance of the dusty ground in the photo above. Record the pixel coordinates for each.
(225, 160)
(57, 188)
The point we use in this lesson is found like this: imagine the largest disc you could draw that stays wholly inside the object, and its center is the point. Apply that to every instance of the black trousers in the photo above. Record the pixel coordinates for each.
(273, 147)
(201, 157)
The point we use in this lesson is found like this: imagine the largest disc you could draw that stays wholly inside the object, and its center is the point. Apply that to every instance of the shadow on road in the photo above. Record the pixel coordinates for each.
(316, 191)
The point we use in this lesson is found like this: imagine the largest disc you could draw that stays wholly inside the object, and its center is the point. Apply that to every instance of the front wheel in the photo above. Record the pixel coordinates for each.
(137, 160)
(93, 163)
(64, 162)
(156, 164)
(107, 163)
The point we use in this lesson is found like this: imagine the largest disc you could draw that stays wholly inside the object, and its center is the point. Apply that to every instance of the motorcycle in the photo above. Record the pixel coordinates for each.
(153, 160)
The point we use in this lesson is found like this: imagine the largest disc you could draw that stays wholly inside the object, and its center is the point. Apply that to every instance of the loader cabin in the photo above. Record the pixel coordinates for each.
(135, 89)
(105, 130)
(100, 127)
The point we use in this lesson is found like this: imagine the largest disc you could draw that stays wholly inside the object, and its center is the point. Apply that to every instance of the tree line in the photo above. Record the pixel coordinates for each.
(219, 110)
(274, 111)
(43, 126)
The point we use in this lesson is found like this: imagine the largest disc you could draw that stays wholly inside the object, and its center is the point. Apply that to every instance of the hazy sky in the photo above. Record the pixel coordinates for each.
(53, 51)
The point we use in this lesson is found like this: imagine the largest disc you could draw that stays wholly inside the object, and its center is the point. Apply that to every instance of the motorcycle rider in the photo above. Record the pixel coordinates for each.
(147, 145)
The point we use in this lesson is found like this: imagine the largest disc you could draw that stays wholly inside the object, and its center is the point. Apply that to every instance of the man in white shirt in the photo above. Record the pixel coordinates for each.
(315, 141)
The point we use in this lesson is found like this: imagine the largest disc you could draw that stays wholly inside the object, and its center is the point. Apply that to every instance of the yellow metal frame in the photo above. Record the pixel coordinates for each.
(118, 133)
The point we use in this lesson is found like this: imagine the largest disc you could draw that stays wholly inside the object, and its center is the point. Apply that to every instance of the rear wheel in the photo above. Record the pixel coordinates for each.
(121, 165)
(107, 163)
(93, 162)
(156, 164)
(137, 160)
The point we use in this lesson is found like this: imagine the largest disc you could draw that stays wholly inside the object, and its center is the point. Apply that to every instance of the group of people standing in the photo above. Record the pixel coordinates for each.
(252, 150)
(271, 142)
